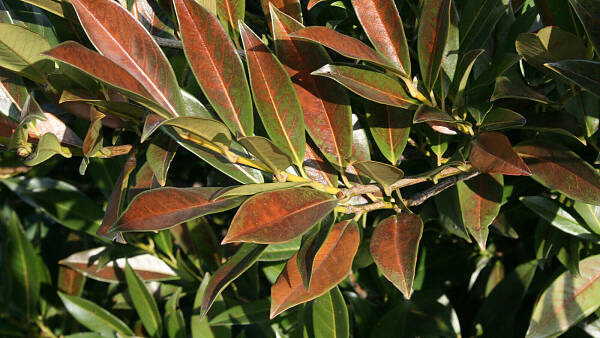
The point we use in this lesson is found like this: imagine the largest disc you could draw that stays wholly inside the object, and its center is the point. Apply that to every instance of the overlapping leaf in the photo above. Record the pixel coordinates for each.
(582, 72)
(491, 152)
(290, 213)
(21, 52)
(432, 36)
(588, 12)
(390, 127)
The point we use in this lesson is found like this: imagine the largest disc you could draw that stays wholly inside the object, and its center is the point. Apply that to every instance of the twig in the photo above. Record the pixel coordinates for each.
(177, 44)
(420, 198)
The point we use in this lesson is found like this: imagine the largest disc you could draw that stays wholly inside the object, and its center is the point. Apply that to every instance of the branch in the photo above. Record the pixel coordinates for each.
(177, 44)
(420, 198)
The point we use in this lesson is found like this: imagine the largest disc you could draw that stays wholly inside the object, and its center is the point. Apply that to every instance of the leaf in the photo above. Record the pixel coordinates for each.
(47, 147)
(588, 13)
(231, 11)
(332, 263)
(93, 316)
(433, 33)
(369, 84)
(148, 267)
(383, 25)
(438, 120)
(501, 118)
(21, 52)
(291, 8)
(199, 326)
(569, 299)
(477, 22)
(583, 73)
(174, 321)
(61, 201)
(558, 168)
(252, 189)
(317, 169)
(590, 214)
(330, 315)
(143, 302)
(510, 87)
(343, 44)
(291, 213)
(159, 156)
(390, 128)
(119, 37)
(101, 68)
(267, 152)
(93, 141)
(19, 254)
(460, 82)
(312, 3)
(325, 104)
(281, 251)
(162, 208)
(274, 96)
(215, 63)
(394, 246)
(382, 173)
(499, 66)
(190, 126)
(311, 243)
(155, 21)
(491, 152)
(480, 200)
(551, 211)
(243, 314)
(241, 261)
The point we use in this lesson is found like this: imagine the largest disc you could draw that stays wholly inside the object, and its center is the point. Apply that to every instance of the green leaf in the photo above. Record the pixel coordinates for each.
(390, 128)
(382, 173)
(369, 84)
(174, 321)
(159, 155)
(478, 20)
(583, 73)
(47, 147)
(590, 214)
(199, 325)
(438, 120)
(21, 52)
(501, 118)
(281, 251)
(245, 314)
(93, 316)
(434, 25)
(588, 12)
(551, 211)
(569, 299)
(499, 66)
(252, 189)
(330, 315)
(267, 152)
(189, 126)
(460, 82)
(241, 261)
(19, 257)
(511, 87)
(144, 303)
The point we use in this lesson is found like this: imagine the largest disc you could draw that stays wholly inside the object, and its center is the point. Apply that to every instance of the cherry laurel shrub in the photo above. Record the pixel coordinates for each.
(287, 168)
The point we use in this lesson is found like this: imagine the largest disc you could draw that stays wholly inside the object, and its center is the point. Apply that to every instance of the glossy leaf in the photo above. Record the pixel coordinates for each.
(252, 189)
(491, 152)
(267, 152)
(143, 302)
(558, 168)
(590, 214)
(155, 22)
(241, 261)
(501, 118)
(390, 128)
(317, 169)
(231, 11)
(21, 52)
(480, 199)
(275, 98)
(291, 8)
(47, 147)
(148, 267)
(215, 63)
(584, 73)
(332, 263)
(207, 129)
(511, 87)
(244, 314)
(433, 33)
(552, 212)
(382, 23)
(588, 12)
(395, 246)
(369, 84)
(382, 173)
(93, 316)
(569, 299)
(343, 44)
(199, 326)
(119, 37)
(330, 315)
(280, 251)
(291, 213)
(20, 254)
(311, 243)
(174, 321)
(477, 22)
(162, 208)
(460, 82)
(326, 106)
(159, 156)
(438, 120)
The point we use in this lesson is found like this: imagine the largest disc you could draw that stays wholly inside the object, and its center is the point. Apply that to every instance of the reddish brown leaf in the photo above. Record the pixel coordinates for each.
(57, 127)
(343, 44)
(395, 246)
(162, 208)
(119, 37)
(312, 3)
(279, 216)
(390, 127)
(491, 152)
(216, 65)
(153, 22)
(383, 26)
(480, 199)
(433, 33)
(147, 266)
(70, 281)
(276, 100)
(317, 169)
(561, 169)
(289, 7)
(331, 265)
(326, 105)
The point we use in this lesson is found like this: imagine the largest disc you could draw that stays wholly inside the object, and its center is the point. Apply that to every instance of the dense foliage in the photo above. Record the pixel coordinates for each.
(365, 168)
